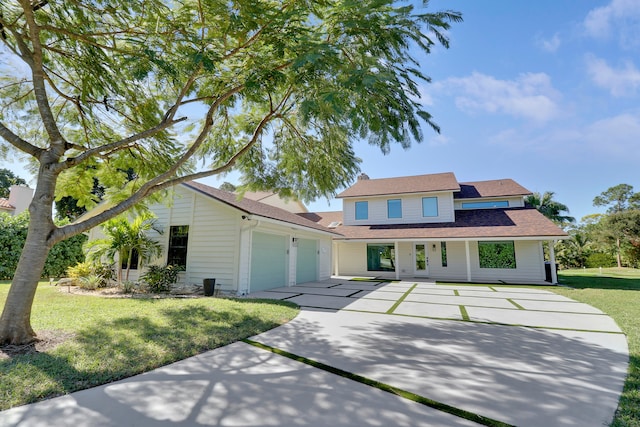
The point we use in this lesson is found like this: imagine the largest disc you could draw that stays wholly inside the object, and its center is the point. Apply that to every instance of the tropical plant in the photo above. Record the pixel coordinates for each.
(124, 238)
(573, 252)
(176, 91)
(158, 279)
(550, 208)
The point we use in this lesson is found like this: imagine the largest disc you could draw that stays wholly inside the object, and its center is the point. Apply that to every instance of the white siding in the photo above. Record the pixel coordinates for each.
(411, 209)
(529, 262)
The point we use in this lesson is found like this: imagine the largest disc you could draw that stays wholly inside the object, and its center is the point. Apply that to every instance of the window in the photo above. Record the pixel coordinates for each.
(429, 206)
(488, 204)
(178, 237)
(362, 210)
(497, 254)
(394, 208)
(134, 260)
(381, 257)
(443, 253)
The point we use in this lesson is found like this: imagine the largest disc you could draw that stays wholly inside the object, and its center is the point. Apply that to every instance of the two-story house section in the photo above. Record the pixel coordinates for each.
(434, 226)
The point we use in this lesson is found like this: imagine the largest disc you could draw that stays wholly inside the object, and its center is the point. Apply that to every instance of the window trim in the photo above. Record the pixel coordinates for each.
(424, 213)
(389, 207)
(171, 248)
(487, 204)
(363, 205)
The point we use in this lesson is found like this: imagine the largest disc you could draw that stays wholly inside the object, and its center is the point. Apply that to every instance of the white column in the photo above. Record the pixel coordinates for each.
(397, 263)
(336, 259)
(552, 260)
(466, 251)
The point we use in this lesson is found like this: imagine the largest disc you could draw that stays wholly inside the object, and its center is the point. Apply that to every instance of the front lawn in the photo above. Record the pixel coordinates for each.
(112, 338)
(617, 293)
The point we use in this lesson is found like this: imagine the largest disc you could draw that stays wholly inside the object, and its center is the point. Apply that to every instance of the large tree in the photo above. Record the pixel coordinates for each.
(618, 199)
(278, 90)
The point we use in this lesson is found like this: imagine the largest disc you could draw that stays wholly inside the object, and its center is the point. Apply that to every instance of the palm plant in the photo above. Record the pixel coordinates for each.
(123, 238)
(550, 208)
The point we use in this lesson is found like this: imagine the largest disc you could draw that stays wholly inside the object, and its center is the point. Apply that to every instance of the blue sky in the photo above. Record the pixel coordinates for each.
(544, 92)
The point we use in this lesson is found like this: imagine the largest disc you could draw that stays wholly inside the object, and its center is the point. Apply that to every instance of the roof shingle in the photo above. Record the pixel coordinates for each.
(469, 224)
(493, 188)
(407, 184)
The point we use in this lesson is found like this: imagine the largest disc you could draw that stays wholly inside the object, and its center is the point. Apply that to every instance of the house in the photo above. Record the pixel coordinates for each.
(434, 226)
(246, 245)
(19, 199)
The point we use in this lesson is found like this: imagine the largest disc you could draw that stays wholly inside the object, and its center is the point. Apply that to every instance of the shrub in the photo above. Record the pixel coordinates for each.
(13, 233)
(79, 272)
(599, 259)
(106, 272)
(128, 286)
(159, 279)
(90, 282)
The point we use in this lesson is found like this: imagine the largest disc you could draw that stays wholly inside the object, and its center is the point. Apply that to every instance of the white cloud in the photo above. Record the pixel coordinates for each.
(620, 19)
(530, 96)
(549, 45)
(622, 81)
(615, 136)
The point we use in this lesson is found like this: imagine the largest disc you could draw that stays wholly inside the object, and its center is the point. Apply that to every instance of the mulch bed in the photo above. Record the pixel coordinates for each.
(47, 340)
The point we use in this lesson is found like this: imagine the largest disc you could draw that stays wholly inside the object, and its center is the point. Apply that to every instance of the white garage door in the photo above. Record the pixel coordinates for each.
(307, 261)
(268, 261)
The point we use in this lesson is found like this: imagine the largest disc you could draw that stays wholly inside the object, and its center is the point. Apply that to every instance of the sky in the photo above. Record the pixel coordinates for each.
(544, 92)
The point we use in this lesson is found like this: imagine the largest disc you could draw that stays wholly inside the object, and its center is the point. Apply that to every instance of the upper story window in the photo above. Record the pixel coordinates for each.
(429, 206)
(362, 210)
(394, 208)
(487, 204)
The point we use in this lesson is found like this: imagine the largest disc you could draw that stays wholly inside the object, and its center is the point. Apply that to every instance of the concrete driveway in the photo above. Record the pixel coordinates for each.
(520, 356)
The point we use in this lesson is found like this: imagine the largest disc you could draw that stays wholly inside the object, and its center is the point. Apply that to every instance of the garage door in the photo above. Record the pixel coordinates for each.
(307, 261)
(268, 261)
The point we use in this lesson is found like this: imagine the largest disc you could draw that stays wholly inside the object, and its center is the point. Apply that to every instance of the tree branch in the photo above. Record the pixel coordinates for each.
(18, 142)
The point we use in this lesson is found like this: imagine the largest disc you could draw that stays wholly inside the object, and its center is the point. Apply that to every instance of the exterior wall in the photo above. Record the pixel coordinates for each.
(213, 245)
(352, 258)
(411, 209)
(19, 197)
(529, 264)
(514, 202)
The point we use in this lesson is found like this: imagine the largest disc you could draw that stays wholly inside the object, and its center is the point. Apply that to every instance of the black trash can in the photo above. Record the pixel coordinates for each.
(209, 286)
(547, 271)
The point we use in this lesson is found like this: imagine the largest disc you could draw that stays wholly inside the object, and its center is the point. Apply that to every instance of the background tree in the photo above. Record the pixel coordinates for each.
(278, 90)
(618, 199)
(550, 208)
(124, 238)
(573, 252)
(7, 179)
(227, 186)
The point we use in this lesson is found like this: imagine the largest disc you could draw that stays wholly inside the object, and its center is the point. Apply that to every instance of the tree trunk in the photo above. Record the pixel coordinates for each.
(618, 257)
(15, 321)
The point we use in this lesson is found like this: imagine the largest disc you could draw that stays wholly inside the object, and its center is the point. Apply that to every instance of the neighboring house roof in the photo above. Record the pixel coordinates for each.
(469, 224)
(493, 188)
(4, 204)
(274, 199)
(407, 184)
(252, 207)
(257, 195)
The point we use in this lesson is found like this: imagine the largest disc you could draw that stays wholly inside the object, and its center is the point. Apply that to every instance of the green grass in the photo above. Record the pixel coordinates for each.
(617, 293)
(114, 338)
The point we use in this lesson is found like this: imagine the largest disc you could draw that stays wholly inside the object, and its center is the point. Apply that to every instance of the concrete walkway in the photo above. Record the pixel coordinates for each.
(461, 346)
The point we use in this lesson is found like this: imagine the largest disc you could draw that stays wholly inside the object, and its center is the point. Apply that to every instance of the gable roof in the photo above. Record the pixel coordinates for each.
(469, 224)
(253, 207)
(492, 188)
(401, 185)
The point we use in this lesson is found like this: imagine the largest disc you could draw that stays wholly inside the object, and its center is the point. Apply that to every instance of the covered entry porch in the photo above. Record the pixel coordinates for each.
(510, 260)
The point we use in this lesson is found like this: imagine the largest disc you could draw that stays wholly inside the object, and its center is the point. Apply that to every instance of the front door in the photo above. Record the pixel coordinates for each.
(421, 260)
